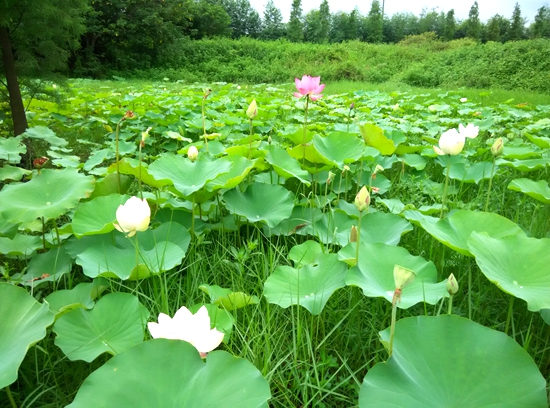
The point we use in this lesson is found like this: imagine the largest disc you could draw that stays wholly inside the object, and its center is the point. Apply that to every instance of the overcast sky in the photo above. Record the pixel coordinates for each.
(487, 8)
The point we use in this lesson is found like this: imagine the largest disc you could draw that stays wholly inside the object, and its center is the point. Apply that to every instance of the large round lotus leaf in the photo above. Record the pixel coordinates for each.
(20, 245)
(23, 323)
(115, 324)
(240, 168)
(374, 136)
(132, 167)
(525, 165)
(374, 274)
(109, 185)
(472, 173)
(11, 149)
(47, 267)
(539, 190)
(13, 173)
(188, 176)
(455, 230)
(305, 253)
(160, 250)
(339, 147)
(449, 361)
(335, 227)
(96, 216)
(81, 296)
(170, 373)
(517, 264)
(46, 134)
(309, 286)
(286, 165)
(49, 195)
(545, 313)
(269, 203)
(299, 218)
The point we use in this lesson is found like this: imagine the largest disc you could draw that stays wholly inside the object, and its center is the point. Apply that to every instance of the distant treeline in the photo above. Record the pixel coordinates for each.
(143, 34)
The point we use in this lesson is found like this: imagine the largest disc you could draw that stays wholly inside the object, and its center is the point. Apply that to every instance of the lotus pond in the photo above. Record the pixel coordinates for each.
(318, 252)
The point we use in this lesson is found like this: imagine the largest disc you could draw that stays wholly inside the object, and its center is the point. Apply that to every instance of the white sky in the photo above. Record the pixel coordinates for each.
(487, 8)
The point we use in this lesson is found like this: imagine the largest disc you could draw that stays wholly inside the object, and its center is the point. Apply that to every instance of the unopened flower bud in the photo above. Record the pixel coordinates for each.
(395, 107)
(353, 234)
(362, 199)
(252, 110)
(378, 169)
(145, 136)
(206, 92)
(452, 285)
(192, 153)
(352, 106)
(330, 177)
(346, 168)
(402, 276)
(269, 140)
(129, 115)
(498, 147)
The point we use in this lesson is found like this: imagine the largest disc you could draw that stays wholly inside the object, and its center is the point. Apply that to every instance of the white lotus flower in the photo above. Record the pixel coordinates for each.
(463, 100)
(192, 153)
(192, 328)
(133, 216)
(452, 141)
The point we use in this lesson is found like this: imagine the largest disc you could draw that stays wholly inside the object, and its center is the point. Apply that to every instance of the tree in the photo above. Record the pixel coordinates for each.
(374, 23)
(496, 28)
(272, 26)
(295, 27)
(245, 21)
(432, 21)
(207, 19)
(517, 25)
(312, 26)
(324, 22)
(473, 24)
(34, 42)
(541, 26)
(450, 25)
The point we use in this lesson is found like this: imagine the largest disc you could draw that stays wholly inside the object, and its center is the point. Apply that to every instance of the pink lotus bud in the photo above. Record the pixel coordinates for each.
(452, 285)
(498, 147)
(362, 199)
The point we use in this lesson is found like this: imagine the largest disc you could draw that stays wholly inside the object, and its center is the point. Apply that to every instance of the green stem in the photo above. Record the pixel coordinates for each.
(358, 237)
(139, 174)
(117, 154)
(444, 200)
(204, 124)
(137, 253)
(490, 185)
(393, 320)
(305, 128)
(10, 397)
(450, 305)
(510, 313)
(193, 217)
(43, 234)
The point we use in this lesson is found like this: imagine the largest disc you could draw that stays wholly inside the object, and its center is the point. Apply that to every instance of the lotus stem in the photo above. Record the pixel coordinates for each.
(490, 185)
(43, 233)
(204, 124)
(444, 200)
(396, 295)
(509, 317)
(450, 305)
(305, 127)
(117, 154)
(10, 397)
(139, 175)
(358, 237)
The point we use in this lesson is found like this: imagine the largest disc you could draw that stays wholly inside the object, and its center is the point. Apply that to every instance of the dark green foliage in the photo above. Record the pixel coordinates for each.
(244, 20)
(295, 25)
(373, 24)
(473, 24)
(496, 28)
(541, 27)
(272, 25)
(517, 25)
(450, 25)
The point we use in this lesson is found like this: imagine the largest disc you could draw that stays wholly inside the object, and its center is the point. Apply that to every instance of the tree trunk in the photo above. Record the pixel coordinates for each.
(16, 102)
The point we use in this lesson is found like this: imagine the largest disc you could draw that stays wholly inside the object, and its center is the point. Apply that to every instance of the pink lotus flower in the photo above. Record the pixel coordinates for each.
(309, 86)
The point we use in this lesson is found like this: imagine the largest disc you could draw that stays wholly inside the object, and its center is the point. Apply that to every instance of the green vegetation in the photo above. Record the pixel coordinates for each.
(258, 229)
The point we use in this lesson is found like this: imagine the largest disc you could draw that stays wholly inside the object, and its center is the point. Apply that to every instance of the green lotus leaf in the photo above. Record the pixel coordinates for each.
(23, 323)
(525, 165)
(310, 286)
(520, 152)
(97, 216)
(305, 253)
(47, 267)
(335, 227)
(115, 324)
(141, 377)
(300, 217)
(188, 176)
(339, 147)
(109, 185)
(269, 203)
(374, 136)
(240, 167)
(159, 250)
(98, 157)
(449, 361)
(415, 161)
(20, 245)
(539, 190)
(132, 167)
(50, 194)
(11, 149)
(545, 314)
(317, 162)
(46, 134)
(285, 165)
(516, 264)
(81, 296)
(13, 173)
(455, 230)
(228, 299)
(374, 274)
(8, 229)
(473, 173)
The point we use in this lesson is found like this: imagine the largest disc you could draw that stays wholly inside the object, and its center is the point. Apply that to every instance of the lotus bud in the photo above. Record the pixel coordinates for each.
(395, 107)
(192, 153)
(129, 115)
(378, 169)
(145, 136)
(206, 92)
(346, 168)
(269, 140)
(353, 234)
(362, 199)
(252, 110)
(463, 100)
(402, 277)
(452, 285)
(498, 147)
(352, 106)
(330, 177)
